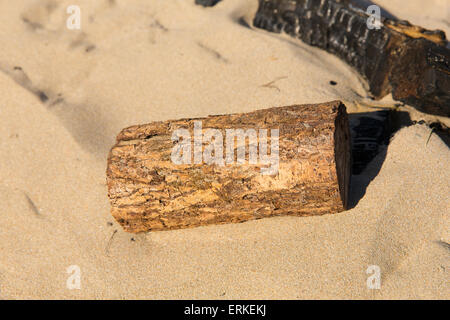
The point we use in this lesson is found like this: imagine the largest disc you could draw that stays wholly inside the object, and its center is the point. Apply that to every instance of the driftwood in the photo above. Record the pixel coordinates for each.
(149, 191)
(408, 61)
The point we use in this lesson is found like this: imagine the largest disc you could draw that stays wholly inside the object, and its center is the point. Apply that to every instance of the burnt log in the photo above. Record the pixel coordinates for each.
(408, 61)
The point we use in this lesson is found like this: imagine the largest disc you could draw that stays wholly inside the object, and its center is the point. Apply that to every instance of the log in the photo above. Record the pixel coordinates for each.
(408, 61)
(217, 179)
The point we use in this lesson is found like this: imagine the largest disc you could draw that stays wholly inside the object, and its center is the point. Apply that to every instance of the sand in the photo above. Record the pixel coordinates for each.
(65, 94)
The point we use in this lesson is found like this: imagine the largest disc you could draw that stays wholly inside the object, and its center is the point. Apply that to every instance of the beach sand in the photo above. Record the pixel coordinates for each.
(66, 94)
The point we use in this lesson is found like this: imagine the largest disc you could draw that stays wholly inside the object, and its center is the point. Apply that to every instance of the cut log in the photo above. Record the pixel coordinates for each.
(408, 61)
(151, 189)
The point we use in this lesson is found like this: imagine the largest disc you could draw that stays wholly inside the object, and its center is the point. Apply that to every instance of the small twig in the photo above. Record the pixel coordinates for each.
(270, 84)
(32, 205)
(429, 137)
(110, 242)
(213, 52)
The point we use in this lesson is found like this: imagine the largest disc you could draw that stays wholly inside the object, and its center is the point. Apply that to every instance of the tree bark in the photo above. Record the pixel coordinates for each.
(148, 191)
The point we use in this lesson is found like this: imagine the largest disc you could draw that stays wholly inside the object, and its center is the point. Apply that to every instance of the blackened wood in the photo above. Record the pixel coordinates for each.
(409, 61)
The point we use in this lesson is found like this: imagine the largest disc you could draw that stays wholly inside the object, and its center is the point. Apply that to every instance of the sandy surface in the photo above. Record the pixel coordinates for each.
(64, 96)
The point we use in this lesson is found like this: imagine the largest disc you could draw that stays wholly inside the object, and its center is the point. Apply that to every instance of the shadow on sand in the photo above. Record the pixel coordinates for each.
(371, 133)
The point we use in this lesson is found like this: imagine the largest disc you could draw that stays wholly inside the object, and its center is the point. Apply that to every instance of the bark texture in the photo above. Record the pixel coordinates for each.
(408, 61)
(150, 192)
